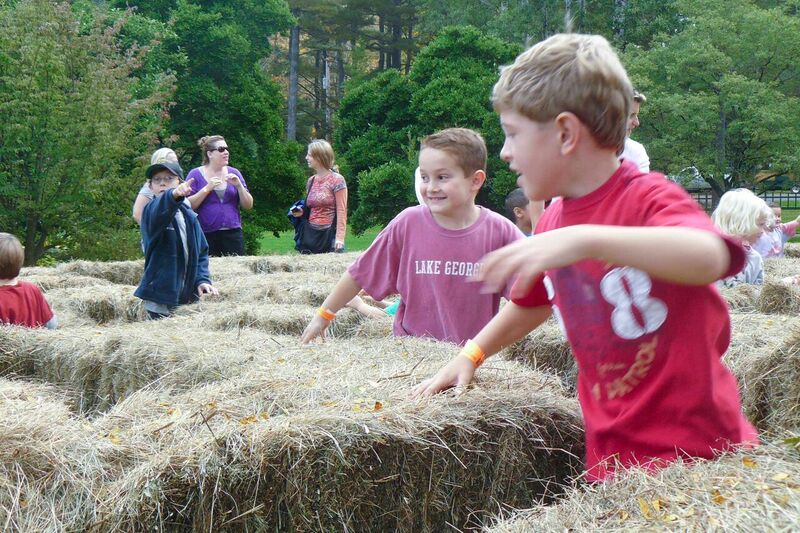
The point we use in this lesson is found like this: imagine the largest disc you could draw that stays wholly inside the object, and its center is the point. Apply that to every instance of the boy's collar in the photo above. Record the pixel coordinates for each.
(9, 282)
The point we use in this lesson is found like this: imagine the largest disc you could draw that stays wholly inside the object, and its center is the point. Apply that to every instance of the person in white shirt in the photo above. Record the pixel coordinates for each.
(634, 151)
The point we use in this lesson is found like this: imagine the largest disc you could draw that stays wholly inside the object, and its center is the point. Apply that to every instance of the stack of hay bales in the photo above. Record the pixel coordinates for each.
(120, 272)
(547, 349)
(49, 468)
(753, 490)
(327, 438)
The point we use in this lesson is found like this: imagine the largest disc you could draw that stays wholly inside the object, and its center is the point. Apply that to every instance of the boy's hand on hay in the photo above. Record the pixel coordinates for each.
(315, 328)
(183, 190)
(206, 289)
(456, 374)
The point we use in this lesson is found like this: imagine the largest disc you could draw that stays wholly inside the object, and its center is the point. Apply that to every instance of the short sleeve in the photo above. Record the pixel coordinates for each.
(338, 183)
(667, 204)
(375, 270)
(536, 296)
(199, 181)
(146, 192)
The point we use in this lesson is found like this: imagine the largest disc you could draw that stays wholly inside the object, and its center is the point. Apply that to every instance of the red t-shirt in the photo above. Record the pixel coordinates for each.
(651, 383)
(23, 304)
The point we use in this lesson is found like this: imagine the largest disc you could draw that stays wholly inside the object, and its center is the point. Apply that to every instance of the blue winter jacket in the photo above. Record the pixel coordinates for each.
(163, 253)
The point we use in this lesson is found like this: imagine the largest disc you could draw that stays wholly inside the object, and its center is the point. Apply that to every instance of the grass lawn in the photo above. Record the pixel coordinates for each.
(284, 243)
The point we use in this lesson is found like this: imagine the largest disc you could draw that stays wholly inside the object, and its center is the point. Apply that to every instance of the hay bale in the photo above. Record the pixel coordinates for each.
(742, 297)
(98, 366)
(755, 338)
(50, 281)
(328, 264)
(746, 491)
(327, 438)
(103, 303)
(779, 298)
(48, 469)
(121, 272)
(307, 288)
(792, 250)
(777, 269)
(546, 349)
(773, 386)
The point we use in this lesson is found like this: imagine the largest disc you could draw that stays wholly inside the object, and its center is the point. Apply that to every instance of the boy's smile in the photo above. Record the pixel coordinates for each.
(447, 191)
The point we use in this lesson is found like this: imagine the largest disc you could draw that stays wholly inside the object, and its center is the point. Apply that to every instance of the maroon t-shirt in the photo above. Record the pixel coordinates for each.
(650, 378)
(23, 304)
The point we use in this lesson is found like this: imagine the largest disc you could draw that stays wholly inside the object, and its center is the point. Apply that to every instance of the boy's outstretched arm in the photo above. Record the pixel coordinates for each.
(681, 255)
(507, 327)
(344, 291)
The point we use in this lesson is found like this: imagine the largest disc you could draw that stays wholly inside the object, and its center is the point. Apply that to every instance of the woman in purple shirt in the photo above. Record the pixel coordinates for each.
(218, 191)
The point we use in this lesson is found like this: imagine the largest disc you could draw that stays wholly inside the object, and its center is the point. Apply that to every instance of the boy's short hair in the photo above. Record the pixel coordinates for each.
(739, 211)
(515, 198)
(569, 72)
(12, 256)
(466, 146)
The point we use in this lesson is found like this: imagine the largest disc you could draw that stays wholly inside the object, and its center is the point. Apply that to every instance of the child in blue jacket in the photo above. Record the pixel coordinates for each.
(175, 249)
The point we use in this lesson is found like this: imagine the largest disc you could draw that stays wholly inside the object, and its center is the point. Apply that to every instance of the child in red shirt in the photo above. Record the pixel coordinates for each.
(21, 303)
(625, 261)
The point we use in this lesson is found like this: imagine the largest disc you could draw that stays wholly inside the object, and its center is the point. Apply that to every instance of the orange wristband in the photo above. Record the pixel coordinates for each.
(473, 352)
(324, 313)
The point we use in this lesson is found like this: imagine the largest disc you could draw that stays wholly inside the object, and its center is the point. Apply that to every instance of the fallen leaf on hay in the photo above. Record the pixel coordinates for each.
(671, 518)
(770, 322)
(23, 502)
(762, 486)
(792, 441)
(329, 403)
(645, 508)
(174, 411)
(312, 382)
(717, 497)
(248, 420)
(656, 505)
(211, 405)
(623, 515)
(280, 360)
(113, 436)
(378, 406)
(264, 416)
(782, 476)
(749, 462)
(356, 407)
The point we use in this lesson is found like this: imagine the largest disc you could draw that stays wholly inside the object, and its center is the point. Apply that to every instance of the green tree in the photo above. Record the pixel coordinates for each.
(70, 117)
(382, 120)
(722, 93)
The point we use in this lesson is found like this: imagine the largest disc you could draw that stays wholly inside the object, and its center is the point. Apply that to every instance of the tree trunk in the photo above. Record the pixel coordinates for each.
(294, 62)
(568, 16)
(340, 73)
(381, 53)
(326, 85)
(619, 18)
(32, 251)
(581, 14)
(409, 49)
(317, 94)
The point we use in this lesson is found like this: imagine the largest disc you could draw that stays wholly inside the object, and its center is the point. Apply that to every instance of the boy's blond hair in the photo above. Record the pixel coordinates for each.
(739, 213)
(570, 72)
(466, 146)
(12, 256)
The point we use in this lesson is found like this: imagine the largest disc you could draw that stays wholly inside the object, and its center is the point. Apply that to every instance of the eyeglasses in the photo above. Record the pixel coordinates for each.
(220, 149)
(166, 180)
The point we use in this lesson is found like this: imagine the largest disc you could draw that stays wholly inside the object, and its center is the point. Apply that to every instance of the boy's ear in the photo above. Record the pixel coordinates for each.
(478, 178)
(518, 212)
(569, 129)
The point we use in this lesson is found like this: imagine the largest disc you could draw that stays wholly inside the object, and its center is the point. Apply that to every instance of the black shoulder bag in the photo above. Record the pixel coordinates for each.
(309, 240)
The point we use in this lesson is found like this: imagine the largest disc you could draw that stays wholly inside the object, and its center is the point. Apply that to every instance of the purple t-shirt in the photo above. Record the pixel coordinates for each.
(217, 213)
(430, 266)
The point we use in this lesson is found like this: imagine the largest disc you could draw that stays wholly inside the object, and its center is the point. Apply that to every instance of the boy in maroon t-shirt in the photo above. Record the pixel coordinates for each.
(625, 261)
(21, 303)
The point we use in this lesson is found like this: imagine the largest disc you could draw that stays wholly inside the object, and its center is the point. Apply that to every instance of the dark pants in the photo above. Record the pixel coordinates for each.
(225, 242)
(152, 315)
